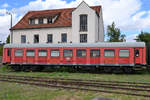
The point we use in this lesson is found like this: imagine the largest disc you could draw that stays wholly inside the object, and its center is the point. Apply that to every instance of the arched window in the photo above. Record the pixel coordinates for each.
(83, 22)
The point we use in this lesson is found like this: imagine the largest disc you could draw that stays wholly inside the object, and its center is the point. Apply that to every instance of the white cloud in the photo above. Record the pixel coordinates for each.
(5, 5)
(127, 14)
(3, 11)
(130, 38)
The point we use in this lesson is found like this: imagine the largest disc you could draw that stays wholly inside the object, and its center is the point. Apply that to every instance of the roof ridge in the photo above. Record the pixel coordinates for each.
(59, 9)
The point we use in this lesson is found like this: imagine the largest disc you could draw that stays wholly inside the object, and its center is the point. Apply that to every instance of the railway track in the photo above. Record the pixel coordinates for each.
(72, 79)
(84, 84)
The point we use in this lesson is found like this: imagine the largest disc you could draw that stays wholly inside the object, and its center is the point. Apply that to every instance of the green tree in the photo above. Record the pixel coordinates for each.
(1, 50)
(114, 34)
(143, 37)
(8, 39)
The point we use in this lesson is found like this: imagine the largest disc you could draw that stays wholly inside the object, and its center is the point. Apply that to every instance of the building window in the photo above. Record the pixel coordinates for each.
(42, 53)
(50, 20)
(83, 38)
(30, 53)
(67, 53)
(109, 53)
(81, 53)
(124, 53)
(63, 37)
(23, 38)
(32, 21)
(18, 53)
(49, 38)
(40, 20)
(83, 22)
(36, 38)
(95, 53)
(54, 53)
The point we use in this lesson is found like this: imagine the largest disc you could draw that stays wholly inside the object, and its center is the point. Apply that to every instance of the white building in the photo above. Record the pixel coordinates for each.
(83, 24)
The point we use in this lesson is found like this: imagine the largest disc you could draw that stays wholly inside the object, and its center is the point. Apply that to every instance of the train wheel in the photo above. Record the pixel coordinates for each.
(148, 68)
(128, 70)
(16, 68)
(107, 69)
(117, 70)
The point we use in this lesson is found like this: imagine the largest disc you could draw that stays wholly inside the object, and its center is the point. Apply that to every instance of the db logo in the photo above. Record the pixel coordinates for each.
(67, 58)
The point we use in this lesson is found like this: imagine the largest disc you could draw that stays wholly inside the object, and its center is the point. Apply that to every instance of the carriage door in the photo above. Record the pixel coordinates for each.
(137, 55)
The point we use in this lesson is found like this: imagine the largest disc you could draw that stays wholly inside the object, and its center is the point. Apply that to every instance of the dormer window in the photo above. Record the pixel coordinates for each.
(40, 20)
(50, 20)
(32, 21)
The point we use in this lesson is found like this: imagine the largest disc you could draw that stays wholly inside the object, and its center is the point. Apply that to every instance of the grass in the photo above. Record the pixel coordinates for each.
(12, 91)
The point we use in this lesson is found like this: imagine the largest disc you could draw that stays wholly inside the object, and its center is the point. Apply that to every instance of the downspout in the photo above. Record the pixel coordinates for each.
(98, 27)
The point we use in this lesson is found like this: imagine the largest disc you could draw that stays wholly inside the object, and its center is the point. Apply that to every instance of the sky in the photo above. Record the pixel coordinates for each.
(131, 16)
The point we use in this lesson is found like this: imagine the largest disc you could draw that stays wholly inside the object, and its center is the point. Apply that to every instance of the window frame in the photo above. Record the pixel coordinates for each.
(124, 56)
(109, 50)
(8, 52)
(30, 50)
(40, 21)
(137, 53)
(82, 38)
(62, 40)
(50, 39)
(54, 50)
(23, 36)
(68, 50)
(18, 50)
(32, 21)
(77, 55)
(83, 23)
(91, 51)
(49, 21)
(38, 38)
(42, 50)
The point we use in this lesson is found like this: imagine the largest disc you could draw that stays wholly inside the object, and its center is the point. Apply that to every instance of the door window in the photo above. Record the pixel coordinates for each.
(137, 53)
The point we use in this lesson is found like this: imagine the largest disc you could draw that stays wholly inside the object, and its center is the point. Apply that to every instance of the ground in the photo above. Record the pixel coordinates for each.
(14, 91)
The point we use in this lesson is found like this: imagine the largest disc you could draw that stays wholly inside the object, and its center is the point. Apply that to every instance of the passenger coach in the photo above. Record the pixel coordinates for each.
(103, 55)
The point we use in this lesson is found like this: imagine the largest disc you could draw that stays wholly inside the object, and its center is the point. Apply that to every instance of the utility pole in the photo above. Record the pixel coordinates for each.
(11, 32)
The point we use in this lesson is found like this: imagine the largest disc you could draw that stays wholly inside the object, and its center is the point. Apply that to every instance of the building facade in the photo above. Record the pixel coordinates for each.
(83, 24)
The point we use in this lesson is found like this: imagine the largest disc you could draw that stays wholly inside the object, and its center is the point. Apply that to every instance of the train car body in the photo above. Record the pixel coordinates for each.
(95, 54)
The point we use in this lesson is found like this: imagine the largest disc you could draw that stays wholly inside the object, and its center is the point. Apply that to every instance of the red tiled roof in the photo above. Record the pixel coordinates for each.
(64, 19)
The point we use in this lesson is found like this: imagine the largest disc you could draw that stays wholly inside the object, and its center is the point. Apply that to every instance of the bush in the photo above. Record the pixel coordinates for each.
(1, 50)
(5, 68)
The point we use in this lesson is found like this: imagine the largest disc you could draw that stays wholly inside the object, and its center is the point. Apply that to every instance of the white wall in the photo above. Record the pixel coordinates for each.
(42, 34)
(83, 8)
(101, 27)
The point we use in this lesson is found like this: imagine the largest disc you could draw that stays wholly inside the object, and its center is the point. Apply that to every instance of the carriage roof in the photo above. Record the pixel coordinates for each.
(61, 45)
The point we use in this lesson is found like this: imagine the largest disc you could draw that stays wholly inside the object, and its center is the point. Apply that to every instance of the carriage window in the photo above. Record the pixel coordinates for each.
(67, 53)
(54, 53)
(124, 53)
(30, 53)
(42, 53)
(8, 52)
(137, 53)
(18, 53)
(81, 53)
(95, 53)
(109, 53)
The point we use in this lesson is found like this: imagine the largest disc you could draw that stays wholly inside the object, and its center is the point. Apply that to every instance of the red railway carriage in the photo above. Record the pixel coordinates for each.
(95, 54)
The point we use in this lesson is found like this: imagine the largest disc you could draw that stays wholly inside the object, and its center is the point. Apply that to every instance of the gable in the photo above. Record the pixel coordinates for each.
(82, 7)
